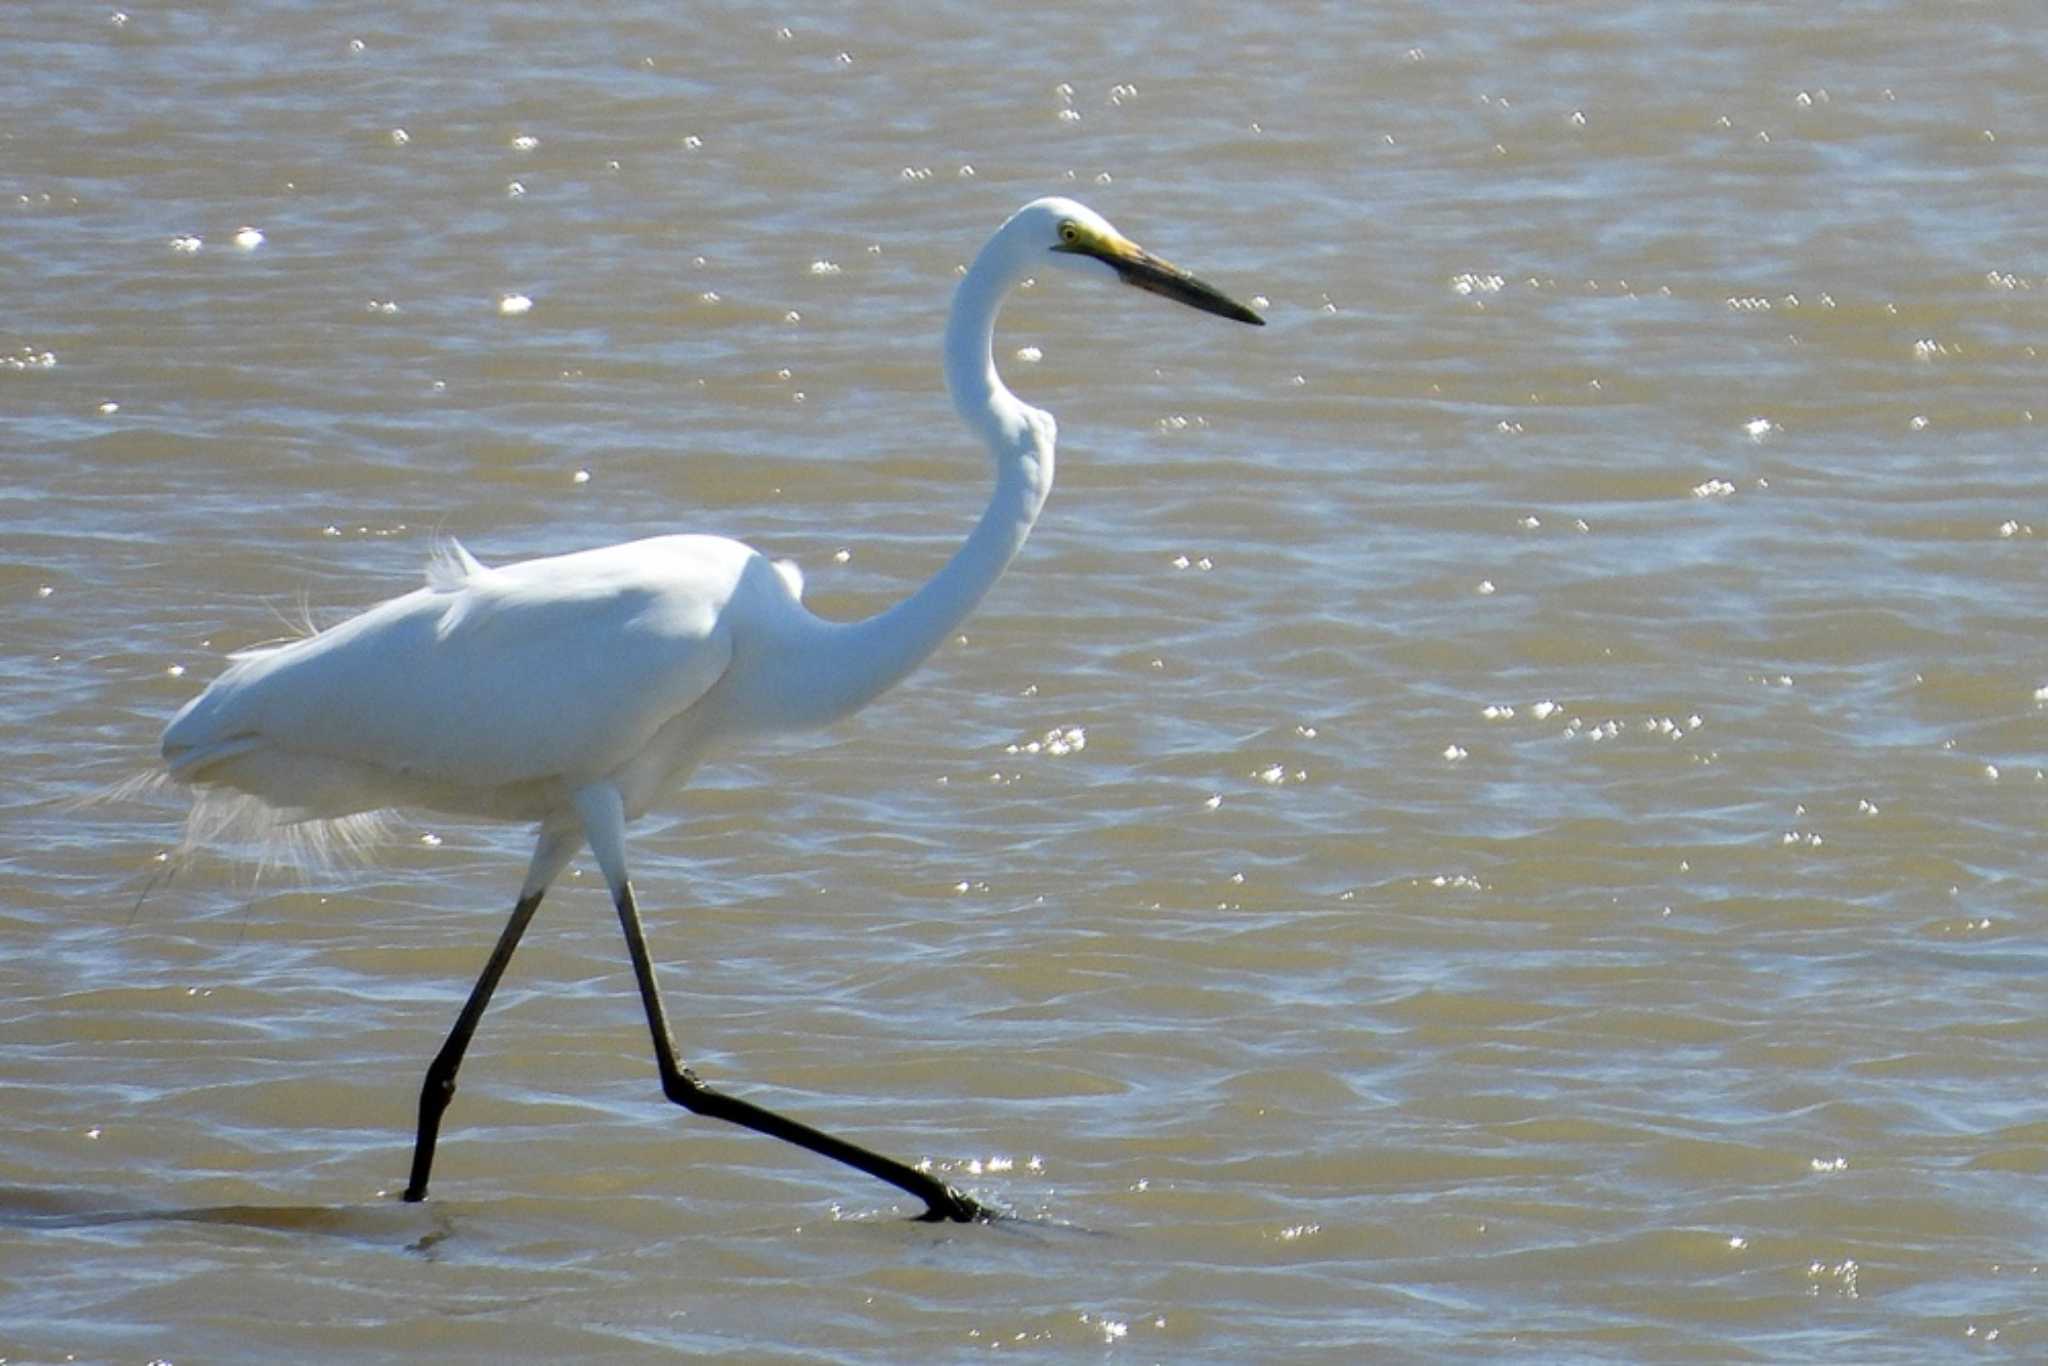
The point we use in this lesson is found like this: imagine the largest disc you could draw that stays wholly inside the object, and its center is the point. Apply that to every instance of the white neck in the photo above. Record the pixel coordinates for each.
(866, 658)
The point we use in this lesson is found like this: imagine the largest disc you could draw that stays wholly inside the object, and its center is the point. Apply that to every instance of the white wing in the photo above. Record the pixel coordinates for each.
(553, 671)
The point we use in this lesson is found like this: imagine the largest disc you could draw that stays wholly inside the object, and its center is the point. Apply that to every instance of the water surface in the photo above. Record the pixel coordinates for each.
(1552, 871)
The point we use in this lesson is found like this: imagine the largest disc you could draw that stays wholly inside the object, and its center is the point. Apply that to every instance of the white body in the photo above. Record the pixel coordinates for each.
(499, 692)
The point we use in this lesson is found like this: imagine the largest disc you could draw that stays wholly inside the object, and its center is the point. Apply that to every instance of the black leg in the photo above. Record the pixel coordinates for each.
(440, 1084)
(682, 1087)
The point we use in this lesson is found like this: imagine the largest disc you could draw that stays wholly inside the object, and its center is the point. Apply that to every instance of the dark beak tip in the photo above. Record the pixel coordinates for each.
(1154, 276)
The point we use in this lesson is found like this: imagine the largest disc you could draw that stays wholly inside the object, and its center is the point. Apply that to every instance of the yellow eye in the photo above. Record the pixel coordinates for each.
(1070, 232)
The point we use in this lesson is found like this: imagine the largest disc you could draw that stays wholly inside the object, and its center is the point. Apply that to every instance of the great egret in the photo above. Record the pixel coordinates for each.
(574, 691)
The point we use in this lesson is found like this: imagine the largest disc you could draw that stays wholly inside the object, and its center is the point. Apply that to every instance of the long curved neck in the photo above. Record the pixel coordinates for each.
(871, 656)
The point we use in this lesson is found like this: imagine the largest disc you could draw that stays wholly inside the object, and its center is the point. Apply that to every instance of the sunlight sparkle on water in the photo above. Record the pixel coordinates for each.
(1057, 742)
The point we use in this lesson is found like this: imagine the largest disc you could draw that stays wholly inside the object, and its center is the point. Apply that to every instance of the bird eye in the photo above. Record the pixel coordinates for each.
(1070, 232)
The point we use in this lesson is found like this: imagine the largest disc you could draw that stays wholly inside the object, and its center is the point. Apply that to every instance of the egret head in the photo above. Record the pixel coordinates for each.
(1074, 236)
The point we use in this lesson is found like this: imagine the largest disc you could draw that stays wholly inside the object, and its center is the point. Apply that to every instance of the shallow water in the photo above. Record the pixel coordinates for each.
(1553, 866)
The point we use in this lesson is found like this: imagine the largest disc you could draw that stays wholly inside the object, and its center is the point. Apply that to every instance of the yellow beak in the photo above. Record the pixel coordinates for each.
(1140, 268)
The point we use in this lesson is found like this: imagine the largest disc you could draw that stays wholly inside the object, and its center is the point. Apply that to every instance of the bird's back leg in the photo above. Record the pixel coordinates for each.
(555, 849)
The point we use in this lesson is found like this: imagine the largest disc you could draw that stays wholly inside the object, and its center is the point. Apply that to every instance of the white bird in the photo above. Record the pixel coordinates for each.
(574, 691)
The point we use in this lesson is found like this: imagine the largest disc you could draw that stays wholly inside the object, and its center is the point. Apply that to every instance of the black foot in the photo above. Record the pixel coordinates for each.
(952, 1205)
